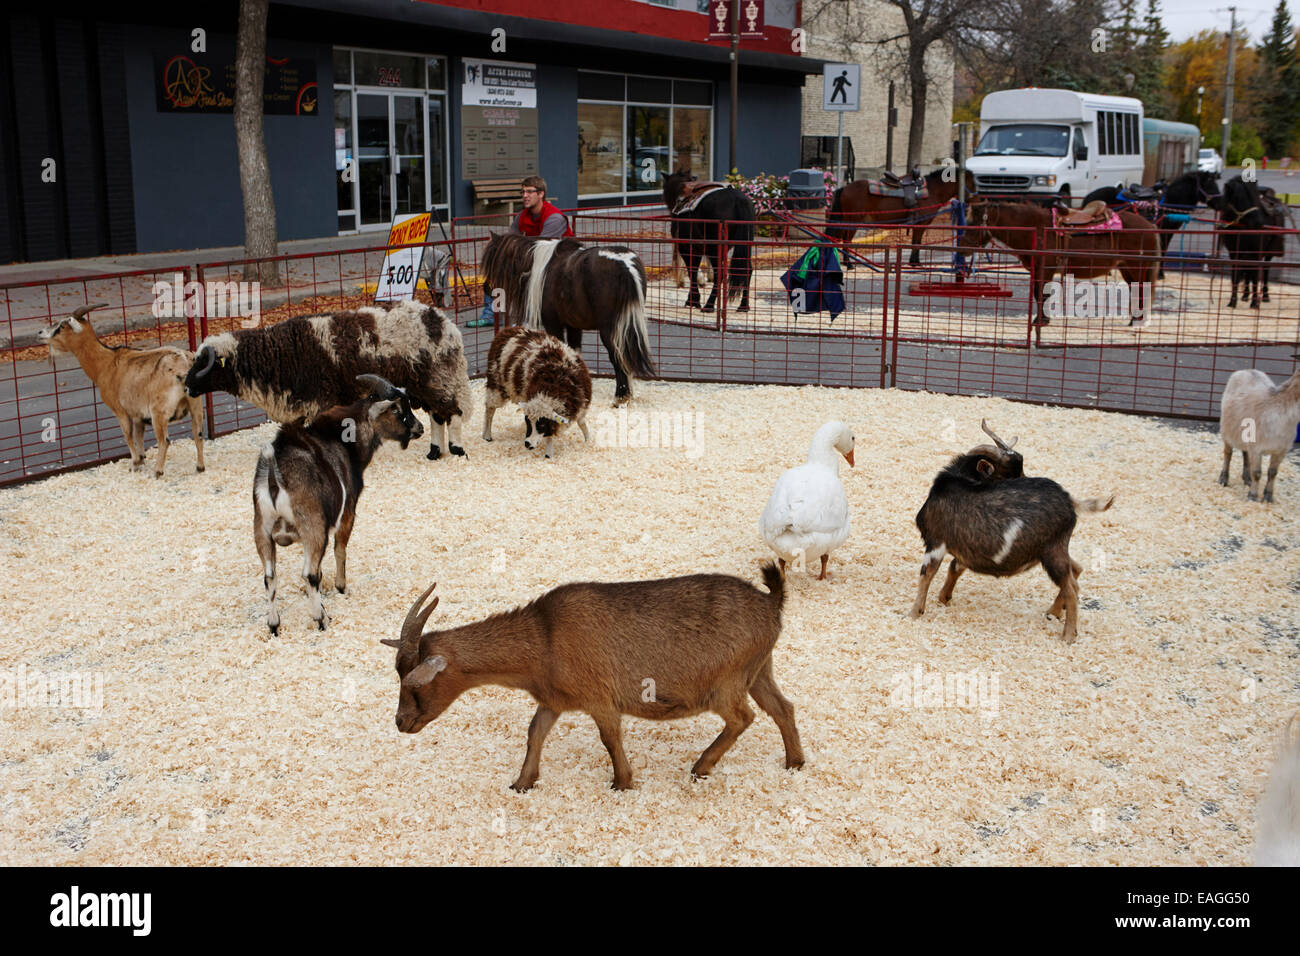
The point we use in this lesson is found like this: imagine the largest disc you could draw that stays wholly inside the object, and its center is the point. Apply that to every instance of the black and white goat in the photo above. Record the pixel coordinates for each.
(298, 368)
(309, 478)
(993, 520)
(548, 379)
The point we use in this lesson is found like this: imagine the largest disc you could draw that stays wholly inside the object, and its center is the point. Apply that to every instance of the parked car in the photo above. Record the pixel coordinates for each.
(1211, 162)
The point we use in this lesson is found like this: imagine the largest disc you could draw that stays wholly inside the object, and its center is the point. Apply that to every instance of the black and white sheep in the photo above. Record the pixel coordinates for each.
(298, 368)
(548, 379)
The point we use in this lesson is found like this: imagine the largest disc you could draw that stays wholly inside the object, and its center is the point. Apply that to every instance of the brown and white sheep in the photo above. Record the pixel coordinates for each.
(546, 377)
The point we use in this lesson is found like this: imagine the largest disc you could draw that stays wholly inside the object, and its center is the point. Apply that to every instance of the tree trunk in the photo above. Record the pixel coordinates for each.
(918, 83)
(254, 170)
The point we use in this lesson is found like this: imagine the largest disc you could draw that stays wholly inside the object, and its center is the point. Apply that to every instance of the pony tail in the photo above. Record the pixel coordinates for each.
(542, 252)
(630, 337)
(740, 259)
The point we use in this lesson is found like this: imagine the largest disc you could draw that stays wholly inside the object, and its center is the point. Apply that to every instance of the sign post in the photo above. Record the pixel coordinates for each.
(401, 269)
(841, 83)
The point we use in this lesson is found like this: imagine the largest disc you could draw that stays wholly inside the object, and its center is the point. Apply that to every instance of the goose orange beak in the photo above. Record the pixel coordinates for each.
(849, 457)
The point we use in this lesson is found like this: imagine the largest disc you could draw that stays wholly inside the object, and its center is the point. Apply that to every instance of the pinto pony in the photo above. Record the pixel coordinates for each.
(565, 288)
(857, 202)
(1134, 248)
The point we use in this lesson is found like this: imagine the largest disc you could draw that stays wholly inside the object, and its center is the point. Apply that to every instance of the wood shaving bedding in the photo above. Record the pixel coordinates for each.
(1148, 741)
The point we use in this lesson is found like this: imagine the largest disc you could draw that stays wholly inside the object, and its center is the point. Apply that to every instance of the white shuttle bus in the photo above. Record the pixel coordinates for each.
(1057, 143)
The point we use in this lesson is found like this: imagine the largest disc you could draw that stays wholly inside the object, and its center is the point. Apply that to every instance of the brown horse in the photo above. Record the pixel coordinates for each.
(1107, 250)
(855, 202)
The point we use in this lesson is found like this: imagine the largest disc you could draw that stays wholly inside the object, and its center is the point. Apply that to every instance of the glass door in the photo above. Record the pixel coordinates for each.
(408, 153)
(375, 172)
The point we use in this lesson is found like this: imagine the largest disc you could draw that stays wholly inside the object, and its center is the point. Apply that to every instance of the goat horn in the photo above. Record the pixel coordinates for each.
(1001, 444)
(413, 626)
(80, 312)
(379, 386)
(212, 357)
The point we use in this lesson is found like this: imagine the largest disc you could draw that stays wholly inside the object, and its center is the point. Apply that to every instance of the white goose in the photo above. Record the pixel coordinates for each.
(808, 513)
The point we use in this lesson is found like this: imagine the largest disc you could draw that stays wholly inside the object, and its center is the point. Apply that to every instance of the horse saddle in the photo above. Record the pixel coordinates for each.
(692, 193)
(1094, 217)
(1134, 192)
(910, 187)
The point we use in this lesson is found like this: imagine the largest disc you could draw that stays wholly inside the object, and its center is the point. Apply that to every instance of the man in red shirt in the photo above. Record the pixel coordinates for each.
(538, 218)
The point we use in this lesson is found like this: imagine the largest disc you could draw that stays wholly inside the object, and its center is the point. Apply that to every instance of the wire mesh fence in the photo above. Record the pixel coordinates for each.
(937, 315)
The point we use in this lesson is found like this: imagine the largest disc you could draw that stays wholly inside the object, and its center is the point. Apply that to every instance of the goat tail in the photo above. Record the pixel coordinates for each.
(542, 251)
(1089, 505)
(775, 582)
(630, 336)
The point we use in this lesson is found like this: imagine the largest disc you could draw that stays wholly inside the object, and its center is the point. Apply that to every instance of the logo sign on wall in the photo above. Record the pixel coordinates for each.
(496, 83)
(751, 19)
(841, 86)
(205, 83)
(401, 269)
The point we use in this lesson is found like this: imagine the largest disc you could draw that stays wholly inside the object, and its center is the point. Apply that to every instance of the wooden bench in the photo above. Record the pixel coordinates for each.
(498, 190)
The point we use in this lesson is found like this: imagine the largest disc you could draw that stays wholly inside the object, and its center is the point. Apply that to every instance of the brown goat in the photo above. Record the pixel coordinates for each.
(136, 384)
(654, 649)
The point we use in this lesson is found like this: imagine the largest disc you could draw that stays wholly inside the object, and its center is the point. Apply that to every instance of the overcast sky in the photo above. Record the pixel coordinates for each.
(1183, 18)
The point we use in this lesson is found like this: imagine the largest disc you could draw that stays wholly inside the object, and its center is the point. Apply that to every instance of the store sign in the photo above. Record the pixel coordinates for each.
(205, 83)
(495, 83)
(401, 269)
(751, 19)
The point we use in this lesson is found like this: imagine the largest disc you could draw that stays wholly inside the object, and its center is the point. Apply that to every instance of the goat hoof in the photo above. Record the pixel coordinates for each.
(341, 588)
(157, 474)
(1251, 496)
(1223, 479)
(275, 629)
(457, 450)
(521, 786)
(200, 469)
(487, 437)
(434, 453)
(1268, 497)
(794, 764)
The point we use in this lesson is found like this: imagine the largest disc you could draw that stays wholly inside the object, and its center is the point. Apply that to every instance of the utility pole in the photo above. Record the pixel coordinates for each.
(735, 77)
(891, 119)
(1227, 98)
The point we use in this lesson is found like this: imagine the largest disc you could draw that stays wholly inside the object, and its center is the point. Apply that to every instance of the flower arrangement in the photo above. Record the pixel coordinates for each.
(766, 192)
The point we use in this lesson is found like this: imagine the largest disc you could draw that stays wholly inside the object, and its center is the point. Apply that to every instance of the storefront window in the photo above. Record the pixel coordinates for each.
(600, 148)
(691, 129)
(647, 147)
(627, 142)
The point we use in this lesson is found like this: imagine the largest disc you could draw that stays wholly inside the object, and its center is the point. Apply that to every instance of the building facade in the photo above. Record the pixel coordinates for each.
(373, 108)
(842, 32)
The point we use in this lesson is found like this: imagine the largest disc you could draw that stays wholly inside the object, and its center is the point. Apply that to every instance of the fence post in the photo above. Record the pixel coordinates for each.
(884, 320)
(203, 333)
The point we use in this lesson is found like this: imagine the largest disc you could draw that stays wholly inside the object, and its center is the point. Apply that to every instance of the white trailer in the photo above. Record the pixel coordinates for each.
(1056, 143)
